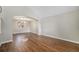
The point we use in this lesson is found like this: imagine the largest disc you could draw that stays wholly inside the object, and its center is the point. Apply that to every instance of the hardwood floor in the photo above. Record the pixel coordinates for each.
(34, 43)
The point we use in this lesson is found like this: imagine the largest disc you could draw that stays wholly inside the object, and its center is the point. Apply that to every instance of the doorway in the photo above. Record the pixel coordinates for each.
(22, 27)
(22, 24)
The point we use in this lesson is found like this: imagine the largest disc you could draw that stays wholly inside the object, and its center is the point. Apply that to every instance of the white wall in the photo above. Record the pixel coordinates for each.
(34, 27)
(64, 26)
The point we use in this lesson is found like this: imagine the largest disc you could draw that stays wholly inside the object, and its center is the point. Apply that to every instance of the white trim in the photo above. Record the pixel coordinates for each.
(39, 28)
(45, 35)
(62, 38)
(5, 42)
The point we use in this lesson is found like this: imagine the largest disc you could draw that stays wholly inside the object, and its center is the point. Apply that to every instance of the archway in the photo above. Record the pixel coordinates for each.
(23, 25)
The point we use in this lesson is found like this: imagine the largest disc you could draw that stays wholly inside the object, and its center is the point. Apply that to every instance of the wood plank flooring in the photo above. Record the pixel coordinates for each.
(34, 43)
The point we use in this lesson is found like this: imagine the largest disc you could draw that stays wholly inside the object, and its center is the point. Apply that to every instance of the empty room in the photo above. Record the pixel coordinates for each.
(39, 29)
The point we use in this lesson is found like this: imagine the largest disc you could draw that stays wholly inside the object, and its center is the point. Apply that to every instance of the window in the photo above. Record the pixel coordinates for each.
(0, 25)
(0, 18)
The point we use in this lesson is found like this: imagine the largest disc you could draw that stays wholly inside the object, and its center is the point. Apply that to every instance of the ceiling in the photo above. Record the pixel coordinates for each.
(38, 11)
(45, 11)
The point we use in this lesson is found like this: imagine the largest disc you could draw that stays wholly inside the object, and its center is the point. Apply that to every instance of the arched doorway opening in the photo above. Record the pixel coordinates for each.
(23, 25)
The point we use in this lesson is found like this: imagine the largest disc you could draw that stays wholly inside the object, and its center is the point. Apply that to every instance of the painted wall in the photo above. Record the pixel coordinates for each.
(34, 27)
(64, 26)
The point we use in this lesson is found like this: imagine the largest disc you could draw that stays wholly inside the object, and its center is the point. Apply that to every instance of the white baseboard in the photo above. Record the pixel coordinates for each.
(62, 39)
(5, 42)
(44, 35)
